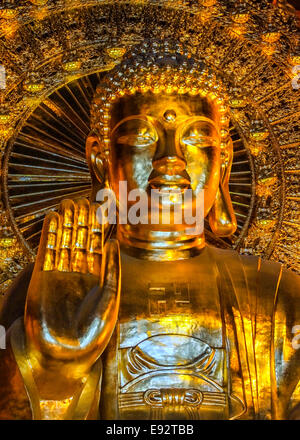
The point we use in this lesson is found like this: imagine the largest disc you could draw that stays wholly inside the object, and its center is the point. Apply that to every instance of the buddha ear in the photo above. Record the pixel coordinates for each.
(96, 162)
(222, 218)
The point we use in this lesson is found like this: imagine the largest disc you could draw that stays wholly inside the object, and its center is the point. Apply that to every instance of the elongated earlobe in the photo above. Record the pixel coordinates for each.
(222, 218)
(97, 164)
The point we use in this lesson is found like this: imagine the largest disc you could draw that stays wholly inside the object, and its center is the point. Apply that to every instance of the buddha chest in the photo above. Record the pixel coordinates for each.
(168, 356)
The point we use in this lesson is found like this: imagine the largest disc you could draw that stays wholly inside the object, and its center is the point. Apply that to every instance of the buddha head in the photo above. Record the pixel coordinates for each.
(160, 122)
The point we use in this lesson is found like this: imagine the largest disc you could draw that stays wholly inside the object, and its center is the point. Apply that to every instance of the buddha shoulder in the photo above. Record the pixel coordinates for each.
(269, 282)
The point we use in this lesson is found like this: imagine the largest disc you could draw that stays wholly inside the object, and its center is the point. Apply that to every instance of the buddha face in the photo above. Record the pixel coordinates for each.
(165, 143)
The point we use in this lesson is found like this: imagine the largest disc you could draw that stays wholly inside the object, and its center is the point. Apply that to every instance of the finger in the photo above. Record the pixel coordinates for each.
(67, 211)
(80, 242)
(99, 311)
(52, 241)
(95, 244)
(48, 243)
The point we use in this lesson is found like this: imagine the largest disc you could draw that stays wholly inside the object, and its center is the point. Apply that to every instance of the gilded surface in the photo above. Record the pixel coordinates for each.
(152, 324)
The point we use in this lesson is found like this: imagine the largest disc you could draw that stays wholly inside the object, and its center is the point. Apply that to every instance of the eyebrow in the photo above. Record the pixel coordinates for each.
(129, 118)
(144, 118)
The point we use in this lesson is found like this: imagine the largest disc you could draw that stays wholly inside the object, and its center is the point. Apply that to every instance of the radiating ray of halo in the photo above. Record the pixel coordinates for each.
(240, 214)
(240, 194)
(39, 193)
(237, 183)
(239, 152)
(213, 238)
(50, 136)
(83, 94)
(242, 162)
(59, 122)
(59, 133)
(50, 199)
(77, 102)
(30, 225)
(240, 173)
(30, 146)
(34, 141)
(241, 204)
(68, 118)
(38, 167)
(25, 156)
(71, 109)
(26, 178)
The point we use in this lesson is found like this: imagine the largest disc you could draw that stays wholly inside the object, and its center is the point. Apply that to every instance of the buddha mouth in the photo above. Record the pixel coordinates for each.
(169, 183)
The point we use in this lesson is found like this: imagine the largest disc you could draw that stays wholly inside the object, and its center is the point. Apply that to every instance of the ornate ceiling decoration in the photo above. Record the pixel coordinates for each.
(53, 54)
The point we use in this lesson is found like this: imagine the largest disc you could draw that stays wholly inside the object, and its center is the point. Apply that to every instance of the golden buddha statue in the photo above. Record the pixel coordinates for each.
(152, 324)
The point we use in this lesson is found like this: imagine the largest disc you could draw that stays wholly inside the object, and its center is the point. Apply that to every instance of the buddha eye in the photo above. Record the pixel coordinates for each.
(199, 134)
(137, 139)
(136, 133)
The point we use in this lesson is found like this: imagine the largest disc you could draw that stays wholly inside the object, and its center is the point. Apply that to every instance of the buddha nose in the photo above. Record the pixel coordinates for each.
(168, 158)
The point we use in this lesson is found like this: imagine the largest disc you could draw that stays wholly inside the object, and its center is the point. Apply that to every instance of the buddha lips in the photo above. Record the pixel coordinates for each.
(171, 207)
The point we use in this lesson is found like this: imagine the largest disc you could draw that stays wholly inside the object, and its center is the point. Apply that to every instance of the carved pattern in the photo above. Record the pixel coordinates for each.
(173, 397)
(182, 400)
(164, 296)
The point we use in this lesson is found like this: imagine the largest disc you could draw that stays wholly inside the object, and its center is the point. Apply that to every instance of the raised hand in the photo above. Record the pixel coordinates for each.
(73, 297)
